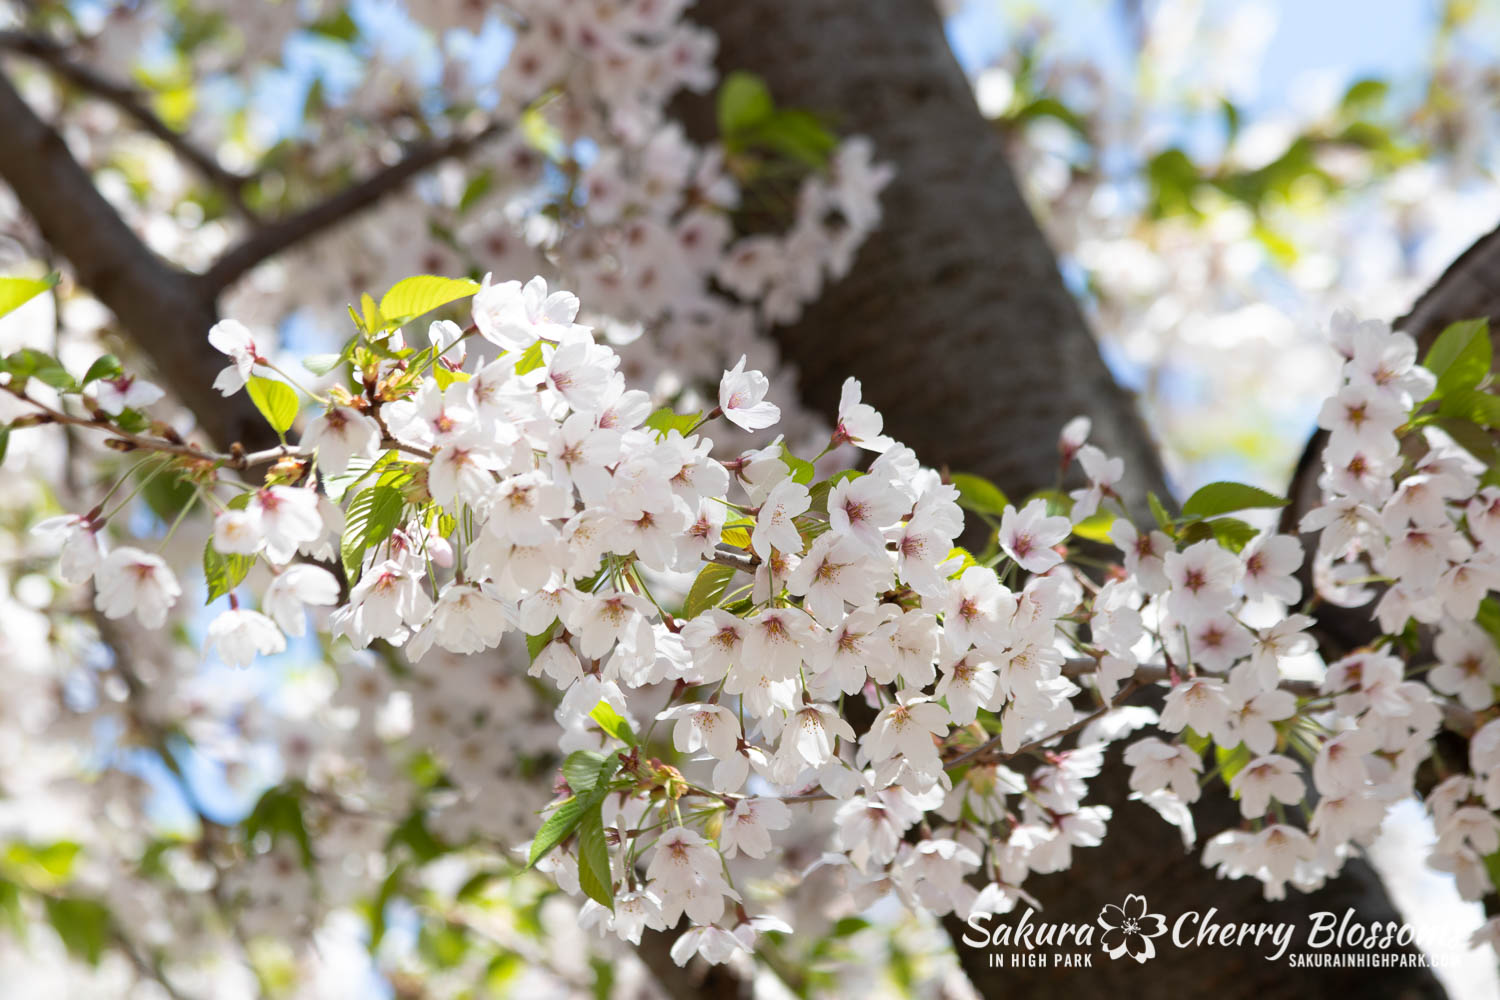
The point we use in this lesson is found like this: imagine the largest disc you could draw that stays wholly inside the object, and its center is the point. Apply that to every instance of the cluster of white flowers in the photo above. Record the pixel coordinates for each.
(525, 488)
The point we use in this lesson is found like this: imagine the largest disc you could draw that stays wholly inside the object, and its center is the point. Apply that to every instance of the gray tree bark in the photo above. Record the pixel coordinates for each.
(955, 318)
(162, 308)
(957, 323)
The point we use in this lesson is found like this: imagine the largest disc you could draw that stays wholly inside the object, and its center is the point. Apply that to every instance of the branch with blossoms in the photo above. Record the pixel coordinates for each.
(502, 476)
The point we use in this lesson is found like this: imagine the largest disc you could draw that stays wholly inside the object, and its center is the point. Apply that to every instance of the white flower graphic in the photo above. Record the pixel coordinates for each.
(1128, 929)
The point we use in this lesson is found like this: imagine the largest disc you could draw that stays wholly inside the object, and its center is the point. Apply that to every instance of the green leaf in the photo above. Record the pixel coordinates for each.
(1223, 497)
(4, 440)
(1159, 512)
(802, 470)
(322, 364)
(530, 359)
(83, 925)
(965, 560)
(594, 875)
(223, 572)
(536, 643)
(1199, 744)
(276, 401)
(1471, 437)
(610, 721)
(795, 134)
(373, 321)
(28, 362)
(1231, 761)
(666, 420)
(16, 292)
(10, 908)
(737, 533)
(1488, 619)
(42, 866)
(388, 890)
(374, 514)
(413, 833)
(1232, 533)
(278, 813)
(1474, 405)
(1460, 357)
(558, 827)
(581, 769)
(413, 297)
(477, 186)
(442, 944)
(107, 366)
(978, 494)
(1095, 528)
(1364, 95)
(340, 27)
(707, 589)
(744, 102)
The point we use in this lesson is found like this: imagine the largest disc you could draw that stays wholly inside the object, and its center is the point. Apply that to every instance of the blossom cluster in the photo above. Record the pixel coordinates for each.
(813, 641)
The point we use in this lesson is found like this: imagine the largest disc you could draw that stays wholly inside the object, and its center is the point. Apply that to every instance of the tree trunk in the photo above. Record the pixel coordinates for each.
(954, 318)
(957, 323)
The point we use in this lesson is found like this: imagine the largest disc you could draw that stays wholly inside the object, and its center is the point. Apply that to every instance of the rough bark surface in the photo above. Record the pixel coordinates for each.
(954, 318)
(962, 333)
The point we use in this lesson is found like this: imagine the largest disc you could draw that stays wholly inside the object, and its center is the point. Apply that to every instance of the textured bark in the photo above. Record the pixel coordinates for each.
(162, 309)
(1469, 289)
(958, 325)
(954, 318)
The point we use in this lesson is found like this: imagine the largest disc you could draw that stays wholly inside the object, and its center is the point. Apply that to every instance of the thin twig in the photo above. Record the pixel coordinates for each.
(278, 236)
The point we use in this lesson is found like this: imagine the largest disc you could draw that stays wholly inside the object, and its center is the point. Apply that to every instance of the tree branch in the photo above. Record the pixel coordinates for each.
(130, 101)
(165, 310)
(278, 236)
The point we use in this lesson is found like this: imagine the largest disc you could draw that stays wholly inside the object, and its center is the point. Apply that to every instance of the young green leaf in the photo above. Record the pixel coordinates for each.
(278, 813)
(594, 875)
(1163, 520)
(1224, 497)
(1460, 357)
(978, 494)
(1095, 528)
(610, 721)
(802, 470)
(374, 514)
(558, 827)
(536, 643)
(107, 366)
(667, 419)
(581, 769)
(82, 924)
(530, 359)
(713, 579)
(16, 292)
(276, 401)
(223, 572)
(413, 297)
(737, 533)
(1232, 533)
(744, 102)
(322, 364)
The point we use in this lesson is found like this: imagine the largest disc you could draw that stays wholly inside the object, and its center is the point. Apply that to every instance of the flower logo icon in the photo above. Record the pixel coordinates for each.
(1128, 929)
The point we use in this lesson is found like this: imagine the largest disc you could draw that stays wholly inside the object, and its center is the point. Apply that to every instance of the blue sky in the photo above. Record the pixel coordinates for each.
(1348, 38)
